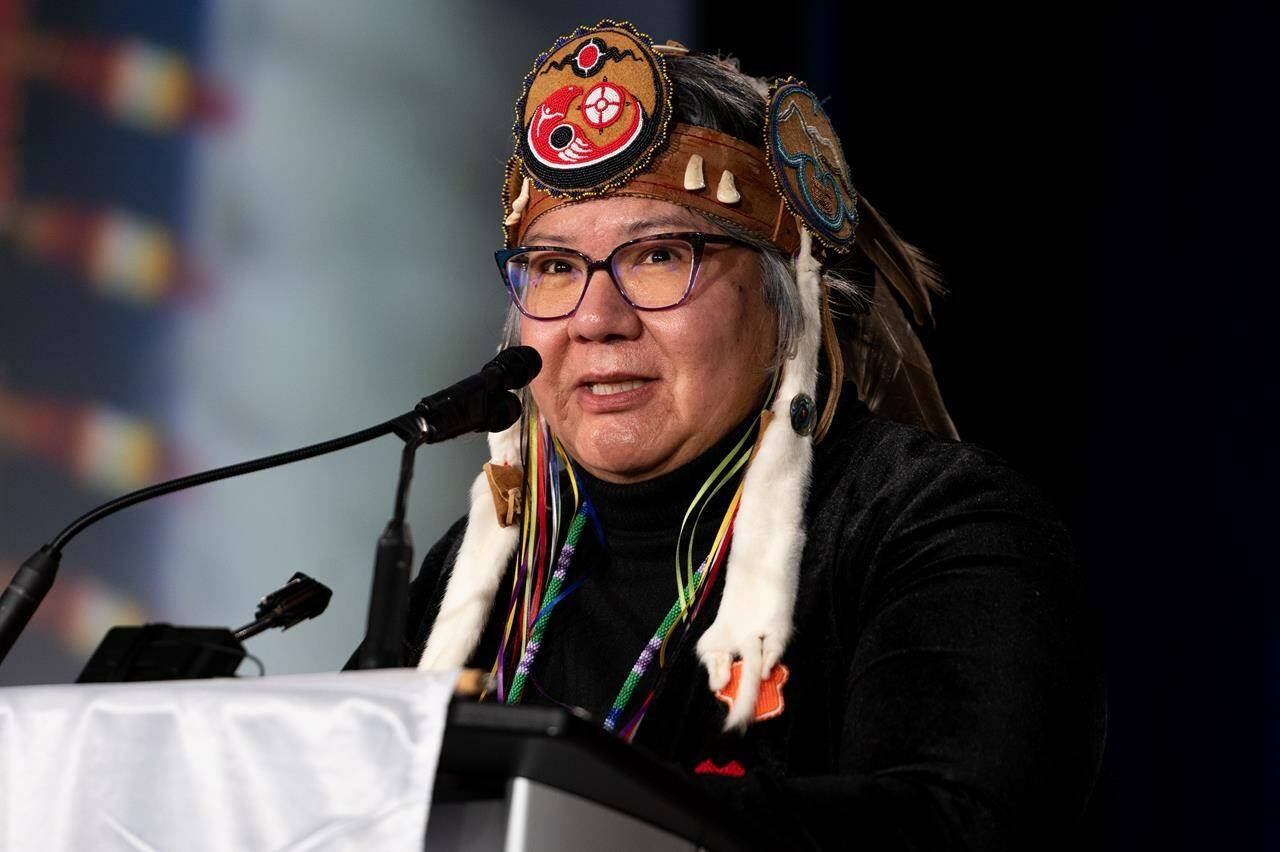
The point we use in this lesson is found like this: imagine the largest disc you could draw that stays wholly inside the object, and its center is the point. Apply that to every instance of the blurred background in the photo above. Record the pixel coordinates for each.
(233, 227)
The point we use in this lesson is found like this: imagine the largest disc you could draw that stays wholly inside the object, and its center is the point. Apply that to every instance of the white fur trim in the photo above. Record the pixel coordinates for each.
(504, 446)
(486, 548)
(754, 621)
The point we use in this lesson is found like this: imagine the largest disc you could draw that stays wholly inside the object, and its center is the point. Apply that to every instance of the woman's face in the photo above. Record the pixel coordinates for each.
(702, 367)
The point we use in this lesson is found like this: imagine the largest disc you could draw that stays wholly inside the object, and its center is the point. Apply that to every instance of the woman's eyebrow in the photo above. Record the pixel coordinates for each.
(674, 221)
(545, 239)
(637, 227)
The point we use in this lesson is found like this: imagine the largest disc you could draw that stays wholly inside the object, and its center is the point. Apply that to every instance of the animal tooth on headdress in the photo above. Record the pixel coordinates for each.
(693, 178)
(517, 206)
(727, 192)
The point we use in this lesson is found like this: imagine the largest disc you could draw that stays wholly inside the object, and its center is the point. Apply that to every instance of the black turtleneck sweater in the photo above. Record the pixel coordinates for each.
(628, 582)
(944, 691)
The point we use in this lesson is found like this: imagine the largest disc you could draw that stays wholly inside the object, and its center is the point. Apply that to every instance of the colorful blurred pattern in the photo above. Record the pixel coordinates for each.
(229, 228)
(97, 105)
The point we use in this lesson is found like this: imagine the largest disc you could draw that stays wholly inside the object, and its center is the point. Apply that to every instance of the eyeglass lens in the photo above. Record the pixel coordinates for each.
(653, 274)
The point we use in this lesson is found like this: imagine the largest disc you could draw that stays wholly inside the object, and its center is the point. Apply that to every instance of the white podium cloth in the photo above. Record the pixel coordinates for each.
(334, 761)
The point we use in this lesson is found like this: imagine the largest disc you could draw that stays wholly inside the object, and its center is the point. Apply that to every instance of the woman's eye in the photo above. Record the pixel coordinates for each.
(657, 256)
(555, 267)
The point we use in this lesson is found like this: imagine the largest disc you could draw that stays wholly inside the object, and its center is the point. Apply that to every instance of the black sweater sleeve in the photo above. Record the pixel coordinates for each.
(974, 710)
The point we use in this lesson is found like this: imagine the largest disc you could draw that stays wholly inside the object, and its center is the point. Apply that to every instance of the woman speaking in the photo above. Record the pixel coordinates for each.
(735, 524)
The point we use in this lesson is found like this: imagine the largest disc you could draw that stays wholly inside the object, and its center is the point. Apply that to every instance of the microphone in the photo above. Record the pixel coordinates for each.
(481, 402)
(297, 600)
(477, 403)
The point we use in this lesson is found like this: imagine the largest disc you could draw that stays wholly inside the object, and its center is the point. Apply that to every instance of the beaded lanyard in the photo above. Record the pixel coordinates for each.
(680, 610)
(541, 524)
(532, 602)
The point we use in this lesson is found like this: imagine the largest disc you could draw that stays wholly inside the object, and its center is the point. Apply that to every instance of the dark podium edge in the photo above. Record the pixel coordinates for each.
(487, 744)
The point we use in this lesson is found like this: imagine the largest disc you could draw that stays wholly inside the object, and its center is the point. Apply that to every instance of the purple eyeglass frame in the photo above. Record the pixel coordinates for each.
(697, 239)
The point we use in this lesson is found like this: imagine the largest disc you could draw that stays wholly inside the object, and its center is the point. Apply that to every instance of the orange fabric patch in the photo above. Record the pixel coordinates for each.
(769, 702)
(732, 769)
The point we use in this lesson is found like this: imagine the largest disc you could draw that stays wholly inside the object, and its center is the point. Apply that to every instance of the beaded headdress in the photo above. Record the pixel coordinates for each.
(595, 118)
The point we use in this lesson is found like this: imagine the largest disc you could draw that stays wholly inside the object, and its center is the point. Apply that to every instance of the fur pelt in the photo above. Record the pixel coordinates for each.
(486, 548)
(753, 622)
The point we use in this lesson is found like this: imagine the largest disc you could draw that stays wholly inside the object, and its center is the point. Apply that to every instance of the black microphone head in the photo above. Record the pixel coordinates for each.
(301, 598)
(518, 364)
(501, 410)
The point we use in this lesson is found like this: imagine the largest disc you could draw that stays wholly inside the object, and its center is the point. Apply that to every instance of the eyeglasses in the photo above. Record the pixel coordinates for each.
(652, 273)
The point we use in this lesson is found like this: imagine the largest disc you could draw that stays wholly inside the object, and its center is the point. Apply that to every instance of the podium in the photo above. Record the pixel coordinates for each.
(358, 760)
(542, 779)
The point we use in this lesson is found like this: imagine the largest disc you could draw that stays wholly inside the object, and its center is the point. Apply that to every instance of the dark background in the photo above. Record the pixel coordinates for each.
(1109, 179)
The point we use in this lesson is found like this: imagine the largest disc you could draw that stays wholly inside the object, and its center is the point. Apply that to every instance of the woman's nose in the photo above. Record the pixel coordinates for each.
(604, 314)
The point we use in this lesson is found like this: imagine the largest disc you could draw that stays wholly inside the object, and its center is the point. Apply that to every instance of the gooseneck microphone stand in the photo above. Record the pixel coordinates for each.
(482, 402)
(392, 566)
(36, 575)
(470, 405)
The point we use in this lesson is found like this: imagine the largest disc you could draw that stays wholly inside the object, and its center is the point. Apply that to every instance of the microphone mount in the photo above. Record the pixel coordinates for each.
(297, 600)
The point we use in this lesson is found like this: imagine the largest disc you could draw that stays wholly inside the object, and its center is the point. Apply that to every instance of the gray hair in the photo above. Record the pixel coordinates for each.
(713, 93)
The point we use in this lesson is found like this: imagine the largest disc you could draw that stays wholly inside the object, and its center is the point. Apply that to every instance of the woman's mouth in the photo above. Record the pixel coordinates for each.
(617, 394)
(607, 388)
